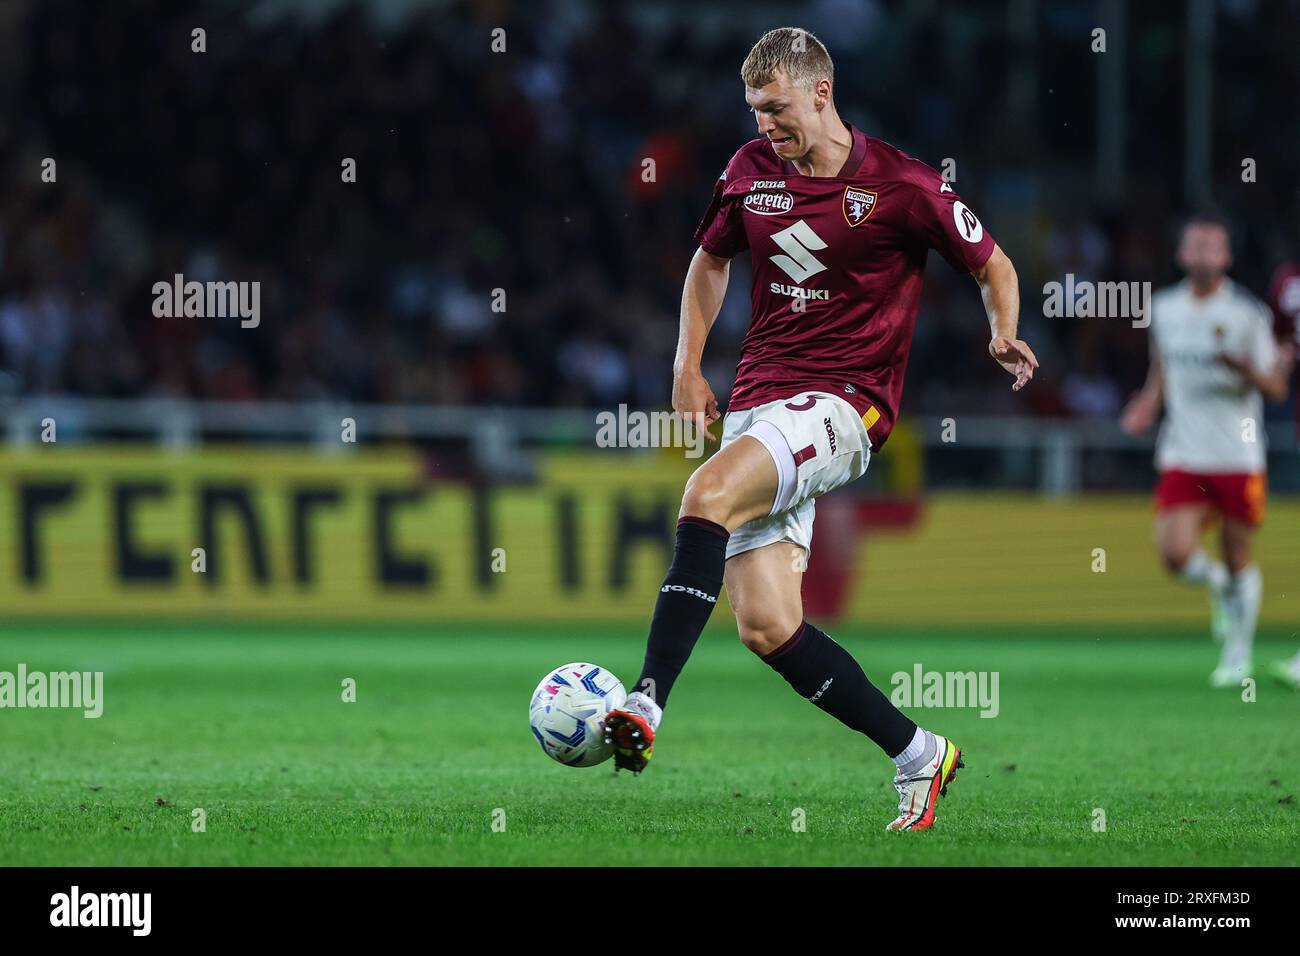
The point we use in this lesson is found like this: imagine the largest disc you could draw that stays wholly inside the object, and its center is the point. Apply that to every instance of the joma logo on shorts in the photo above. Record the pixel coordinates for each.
(695, 591)
(831, 432)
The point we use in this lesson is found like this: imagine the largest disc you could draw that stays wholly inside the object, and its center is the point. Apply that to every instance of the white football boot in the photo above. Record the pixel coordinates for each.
(1234, 667)
(918, 792)
(1288, 671)
(1235, 664)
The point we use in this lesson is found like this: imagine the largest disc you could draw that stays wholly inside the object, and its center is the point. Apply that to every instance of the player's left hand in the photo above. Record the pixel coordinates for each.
(1016, 357)
(1286, 357)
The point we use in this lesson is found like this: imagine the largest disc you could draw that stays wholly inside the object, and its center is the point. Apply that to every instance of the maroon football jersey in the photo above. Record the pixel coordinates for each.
(838, 263)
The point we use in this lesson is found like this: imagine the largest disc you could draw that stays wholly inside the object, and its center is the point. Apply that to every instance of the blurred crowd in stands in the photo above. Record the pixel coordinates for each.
(521, 171)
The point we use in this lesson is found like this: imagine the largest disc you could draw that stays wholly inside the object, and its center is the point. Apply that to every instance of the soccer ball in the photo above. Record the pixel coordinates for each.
(567, 713)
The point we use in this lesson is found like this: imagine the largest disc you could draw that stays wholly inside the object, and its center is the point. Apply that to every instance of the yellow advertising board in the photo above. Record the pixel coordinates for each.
(364, 534)
(377, 534)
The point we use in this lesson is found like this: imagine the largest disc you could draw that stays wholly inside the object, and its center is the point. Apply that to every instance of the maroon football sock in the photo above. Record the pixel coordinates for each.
(686, 599)
(828, 675)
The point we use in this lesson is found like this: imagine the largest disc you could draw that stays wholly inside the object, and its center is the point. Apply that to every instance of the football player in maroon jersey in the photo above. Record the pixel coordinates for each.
(839, 226)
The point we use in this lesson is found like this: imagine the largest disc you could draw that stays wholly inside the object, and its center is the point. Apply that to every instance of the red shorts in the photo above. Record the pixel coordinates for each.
(1239, 496)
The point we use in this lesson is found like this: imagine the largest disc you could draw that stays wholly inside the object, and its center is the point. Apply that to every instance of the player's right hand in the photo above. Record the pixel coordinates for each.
(1138, 415)
(694, 400)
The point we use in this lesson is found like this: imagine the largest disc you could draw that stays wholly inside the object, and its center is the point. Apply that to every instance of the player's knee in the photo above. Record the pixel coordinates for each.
(706, 496)
(765, 635)
(1175, 557)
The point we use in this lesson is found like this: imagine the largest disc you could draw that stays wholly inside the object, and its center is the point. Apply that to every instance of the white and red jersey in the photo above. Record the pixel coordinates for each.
(1214, 420)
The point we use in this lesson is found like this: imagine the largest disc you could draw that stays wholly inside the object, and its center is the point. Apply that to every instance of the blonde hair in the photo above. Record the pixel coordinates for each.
(796, 52)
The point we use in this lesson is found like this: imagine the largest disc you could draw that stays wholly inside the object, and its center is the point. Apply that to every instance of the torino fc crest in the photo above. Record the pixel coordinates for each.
(858, 205)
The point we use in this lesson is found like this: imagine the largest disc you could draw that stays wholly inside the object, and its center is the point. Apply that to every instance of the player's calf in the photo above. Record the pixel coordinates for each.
(828, 676)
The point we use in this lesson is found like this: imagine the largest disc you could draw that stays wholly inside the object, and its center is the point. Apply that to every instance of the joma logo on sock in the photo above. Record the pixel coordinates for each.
(695, 591)
(922, 688)
(813, 698)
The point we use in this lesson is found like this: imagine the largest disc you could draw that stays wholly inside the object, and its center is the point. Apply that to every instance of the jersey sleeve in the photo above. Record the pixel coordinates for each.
(1157, 330)
(946, 224)
(722, 230)
(1263, 346)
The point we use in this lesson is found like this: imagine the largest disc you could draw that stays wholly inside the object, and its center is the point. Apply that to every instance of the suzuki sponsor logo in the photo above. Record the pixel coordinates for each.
(797, 292)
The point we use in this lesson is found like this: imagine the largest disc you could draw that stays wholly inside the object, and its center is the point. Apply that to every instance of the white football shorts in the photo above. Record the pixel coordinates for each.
(818, 443)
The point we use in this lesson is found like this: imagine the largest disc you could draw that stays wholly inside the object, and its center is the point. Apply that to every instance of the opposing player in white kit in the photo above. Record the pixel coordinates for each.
(1212, 357)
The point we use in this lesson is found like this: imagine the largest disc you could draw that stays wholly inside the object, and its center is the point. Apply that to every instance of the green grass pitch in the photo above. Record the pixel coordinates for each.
(247, 722)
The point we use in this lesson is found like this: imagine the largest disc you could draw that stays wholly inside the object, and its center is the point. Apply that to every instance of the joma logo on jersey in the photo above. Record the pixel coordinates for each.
(769, 204)
(859, 204)
(798, 292)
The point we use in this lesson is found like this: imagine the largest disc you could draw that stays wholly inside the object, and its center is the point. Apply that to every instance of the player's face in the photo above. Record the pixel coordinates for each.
(786, 115)
(1203, 252)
